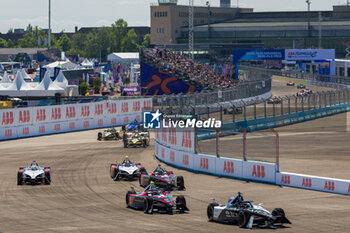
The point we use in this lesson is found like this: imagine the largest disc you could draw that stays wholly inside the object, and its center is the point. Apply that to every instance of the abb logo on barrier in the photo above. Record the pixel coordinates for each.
(172, 136)
(40, 115)
(57, 127)
(138, 118)
(98, 109)
(25, 131)
(42, 129)
(164, 139)
(126, 119)
(186, 139)
(329, 185)
(112, 108)
(7, 118)
(185, 159)
(8, 133)
(147, 105)
(125, 107)
(85, 111)
(156, 149)
(86, 124)
(349, 189)
(113, 121)
(56, 114)
(70, 112)
(100, 122)
(136, 106)
(258, 171)
(229, 167)
(72, 125)
(24, 116)
(163, 153)
(172, 156)
(307, 182)
(204, 163)
(285, 179)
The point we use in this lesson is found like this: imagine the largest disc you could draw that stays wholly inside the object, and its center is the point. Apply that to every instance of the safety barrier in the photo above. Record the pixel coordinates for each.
(37, 121)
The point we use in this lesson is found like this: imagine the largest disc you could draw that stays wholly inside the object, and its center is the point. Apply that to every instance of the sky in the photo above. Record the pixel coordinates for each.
(66, 14)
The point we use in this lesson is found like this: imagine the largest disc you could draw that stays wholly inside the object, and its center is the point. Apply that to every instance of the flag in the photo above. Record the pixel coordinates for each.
(45, 41)
(39, 41)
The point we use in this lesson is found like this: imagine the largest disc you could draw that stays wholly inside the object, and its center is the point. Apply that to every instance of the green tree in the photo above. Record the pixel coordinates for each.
(96, 83)
(10, 43)
(64, 43)
(119, 31)
(129, 42)
(83, 87)
(10, 31)
(78, 44)
(3, 43)
(146, 41)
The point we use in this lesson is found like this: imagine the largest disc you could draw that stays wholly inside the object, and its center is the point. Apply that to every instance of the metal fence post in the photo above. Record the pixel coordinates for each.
(244, 143)
(296, 103)
(265, 109)
(282, 112)
(302, 103)
(254, 110)
(309, 102)
(217, 143)
(221, 118)
(245, 112)
(277, 150)
(288, 104)
(273, 109)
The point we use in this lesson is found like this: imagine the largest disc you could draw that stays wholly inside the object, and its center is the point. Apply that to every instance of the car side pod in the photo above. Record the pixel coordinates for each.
(250, 223)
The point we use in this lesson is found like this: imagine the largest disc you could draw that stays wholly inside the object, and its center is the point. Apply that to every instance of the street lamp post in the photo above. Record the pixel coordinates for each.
(208, 4)
(308, 2)
(49, 44)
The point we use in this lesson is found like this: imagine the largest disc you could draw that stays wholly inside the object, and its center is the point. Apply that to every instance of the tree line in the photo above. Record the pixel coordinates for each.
(98, 43)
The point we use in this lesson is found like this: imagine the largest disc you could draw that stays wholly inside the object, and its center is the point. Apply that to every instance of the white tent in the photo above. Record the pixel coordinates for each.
(6, 81)
(87, 63)
(26, 76)
(123, 58)
(47, 85)
(61, 81)
(66, 65)
(19, 84)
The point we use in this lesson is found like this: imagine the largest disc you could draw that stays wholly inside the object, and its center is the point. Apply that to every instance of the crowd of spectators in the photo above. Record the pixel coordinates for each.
(180, 66)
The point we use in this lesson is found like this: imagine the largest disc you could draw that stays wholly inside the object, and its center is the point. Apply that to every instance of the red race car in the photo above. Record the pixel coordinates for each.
(153, 200)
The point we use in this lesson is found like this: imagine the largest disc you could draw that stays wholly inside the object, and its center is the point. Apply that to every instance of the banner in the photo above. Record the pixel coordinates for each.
(309, 54)
(130, 90)
(160, 83)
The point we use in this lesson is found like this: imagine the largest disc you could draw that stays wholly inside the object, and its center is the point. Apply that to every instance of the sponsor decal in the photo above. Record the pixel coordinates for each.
(7, 118)
(40, 115)
(72, 125)
(125, 107)
(258, 171)
(285, 179)
(186, 139)
(172, 136)
(163, 153)
(126, 119)
(70, 112)
(152, 120)
(56, 114)
(24, 116)
(86, 124)
(112, 108)
(329, 185)
(185, 159)
(100, 122)
(42, 129)
(172, 156)
(157, 149)
(229, 167)
(136, 106)
(164, 139)
(98, 109)
(57, 127)
(85, 111)
(147, 105)
(8, 133)
(25, 131)
(204, 163)
(114, 121)
(307, 182)
(349, 189)
(138, 118)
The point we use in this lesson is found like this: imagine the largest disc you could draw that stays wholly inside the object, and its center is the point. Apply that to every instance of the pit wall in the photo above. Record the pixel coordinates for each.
(39, 121)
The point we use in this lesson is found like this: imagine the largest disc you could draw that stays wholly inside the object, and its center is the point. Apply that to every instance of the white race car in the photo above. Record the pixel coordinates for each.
(126, 170)
(34, 174)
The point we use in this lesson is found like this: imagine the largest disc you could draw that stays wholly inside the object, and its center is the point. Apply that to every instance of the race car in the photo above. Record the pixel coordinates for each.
(274, 100)
(290, 84)
(308, 91)
(162, 178)
(231, 110)
(301, 86)
(245, 213)
(34, 174)
(302, 93)
(126, 170)
(110, 134)
(136, 139)
(153, 200)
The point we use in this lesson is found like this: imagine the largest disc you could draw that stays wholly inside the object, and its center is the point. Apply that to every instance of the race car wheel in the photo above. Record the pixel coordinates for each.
(143, 171)
(210, 211)
(19, 178)
(180, 203)
(180, 183)
(99, 136)
(111, 171)
(147, 205)
(125, 144)
(116, 174)
(47, 178)
(144, 144)
(278, 212)
(127, 198)
(243, 218)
